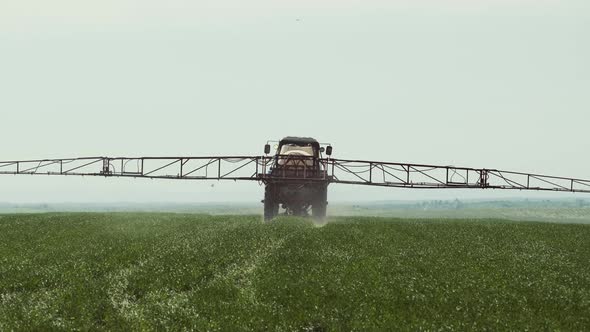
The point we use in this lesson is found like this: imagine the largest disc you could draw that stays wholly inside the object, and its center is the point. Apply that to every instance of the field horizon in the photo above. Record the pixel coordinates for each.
(569, 210)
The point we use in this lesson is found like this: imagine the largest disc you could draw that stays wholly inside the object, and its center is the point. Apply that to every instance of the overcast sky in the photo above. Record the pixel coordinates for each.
(482, 83)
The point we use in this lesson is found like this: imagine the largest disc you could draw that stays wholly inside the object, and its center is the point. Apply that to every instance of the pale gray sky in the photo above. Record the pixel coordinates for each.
(498, 84)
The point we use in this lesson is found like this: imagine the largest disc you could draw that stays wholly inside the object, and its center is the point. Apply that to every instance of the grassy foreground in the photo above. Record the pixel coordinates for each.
(197, 272)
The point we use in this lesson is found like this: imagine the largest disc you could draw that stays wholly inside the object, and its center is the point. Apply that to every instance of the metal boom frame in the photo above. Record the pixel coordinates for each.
(256, 168)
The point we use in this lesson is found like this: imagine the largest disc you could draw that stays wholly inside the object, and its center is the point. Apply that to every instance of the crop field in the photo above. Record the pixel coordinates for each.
(134, 271)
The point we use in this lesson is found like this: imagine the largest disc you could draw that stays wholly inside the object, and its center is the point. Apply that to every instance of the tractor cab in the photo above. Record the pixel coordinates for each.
(298, 154)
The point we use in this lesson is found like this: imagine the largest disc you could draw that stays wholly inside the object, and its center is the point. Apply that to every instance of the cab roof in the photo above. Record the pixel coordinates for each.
(299, 141)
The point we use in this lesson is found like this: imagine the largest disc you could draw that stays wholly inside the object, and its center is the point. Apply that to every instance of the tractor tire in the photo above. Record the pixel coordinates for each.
(320, 203)
(271, 205)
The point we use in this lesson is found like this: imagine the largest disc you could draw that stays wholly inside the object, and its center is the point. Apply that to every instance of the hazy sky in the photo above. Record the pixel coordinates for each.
(482, 83)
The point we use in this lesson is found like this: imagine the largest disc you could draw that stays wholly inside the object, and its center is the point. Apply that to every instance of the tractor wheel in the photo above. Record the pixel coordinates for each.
(320, 203)
(271, 206)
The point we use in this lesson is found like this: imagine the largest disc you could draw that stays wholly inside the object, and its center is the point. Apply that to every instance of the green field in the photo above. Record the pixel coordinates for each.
(123, 271)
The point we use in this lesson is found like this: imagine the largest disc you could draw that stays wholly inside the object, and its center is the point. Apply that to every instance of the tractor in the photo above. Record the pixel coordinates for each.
(297, 179)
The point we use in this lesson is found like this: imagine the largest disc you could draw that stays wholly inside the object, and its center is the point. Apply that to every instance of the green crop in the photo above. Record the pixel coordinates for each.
(197, 272)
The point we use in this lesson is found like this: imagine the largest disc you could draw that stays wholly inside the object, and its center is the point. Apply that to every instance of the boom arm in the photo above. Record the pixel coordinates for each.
(256, 168)
(184, 168)
(376, 173)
